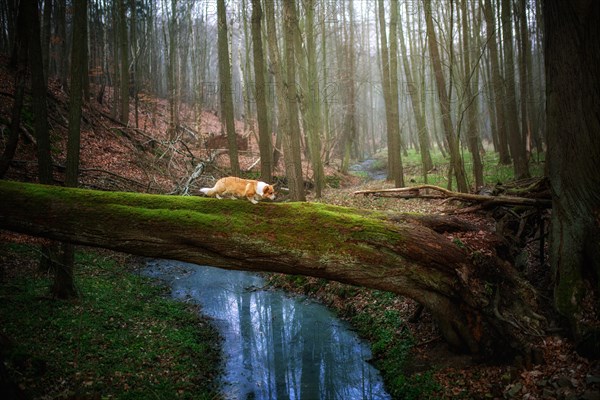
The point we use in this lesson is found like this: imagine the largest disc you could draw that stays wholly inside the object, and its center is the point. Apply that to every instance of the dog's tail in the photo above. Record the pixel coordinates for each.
(208, 191)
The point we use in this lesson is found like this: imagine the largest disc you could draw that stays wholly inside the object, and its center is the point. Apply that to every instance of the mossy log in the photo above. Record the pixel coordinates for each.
(481, 304)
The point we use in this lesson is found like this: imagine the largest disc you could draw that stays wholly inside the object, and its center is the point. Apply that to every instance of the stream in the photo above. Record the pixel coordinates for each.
(275, 346)
(370, 169)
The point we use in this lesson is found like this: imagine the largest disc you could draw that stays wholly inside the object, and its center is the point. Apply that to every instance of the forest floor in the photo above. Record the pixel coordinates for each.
(145, 156)
(563, 374)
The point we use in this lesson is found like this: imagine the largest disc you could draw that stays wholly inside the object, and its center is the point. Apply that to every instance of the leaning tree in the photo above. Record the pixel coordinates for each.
(480, 302)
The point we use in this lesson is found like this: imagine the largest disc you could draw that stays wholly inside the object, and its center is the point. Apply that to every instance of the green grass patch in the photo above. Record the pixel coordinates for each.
(391, 343)
(123, 338)
(493, 171)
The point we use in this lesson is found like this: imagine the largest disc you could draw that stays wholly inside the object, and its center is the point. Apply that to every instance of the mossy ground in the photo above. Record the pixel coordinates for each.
(123, 338)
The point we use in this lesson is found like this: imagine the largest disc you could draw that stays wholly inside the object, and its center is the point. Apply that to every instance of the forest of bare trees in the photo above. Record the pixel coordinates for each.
(323, 80)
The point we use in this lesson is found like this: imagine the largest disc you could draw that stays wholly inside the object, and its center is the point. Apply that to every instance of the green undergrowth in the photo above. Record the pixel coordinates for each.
(493, 171)
(122, 339)
(378, 318)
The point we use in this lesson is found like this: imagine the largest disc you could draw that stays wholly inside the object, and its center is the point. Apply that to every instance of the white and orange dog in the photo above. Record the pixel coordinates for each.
(234, 187)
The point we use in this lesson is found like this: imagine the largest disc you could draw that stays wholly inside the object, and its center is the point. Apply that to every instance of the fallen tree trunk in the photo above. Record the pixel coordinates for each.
(485, 201)
(480, 303)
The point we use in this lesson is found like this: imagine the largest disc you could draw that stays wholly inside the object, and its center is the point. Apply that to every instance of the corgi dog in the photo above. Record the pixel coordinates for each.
(234, 187)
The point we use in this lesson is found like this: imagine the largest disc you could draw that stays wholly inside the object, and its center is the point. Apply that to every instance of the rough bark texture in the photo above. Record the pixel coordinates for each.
(226, 88)
(260, 94)
(444, 101)
(481, 304)
(572, 53)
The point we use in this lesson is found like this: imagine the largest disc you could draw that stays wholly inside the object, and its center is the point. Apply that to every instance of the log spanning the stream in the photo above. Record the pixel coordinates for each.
(481, 307)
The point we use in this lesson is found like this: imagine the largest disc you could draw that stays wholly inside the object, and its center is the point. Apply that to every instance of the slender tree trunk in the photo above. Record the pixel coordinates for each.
(572, 56)
(515, 139)
(173, 75)
(397, 145)
(453, 143)
(524, 77)
(260, 88)
(292, 151)
(226, 88)
(30, 44)
(391, 102)
(497, 84)
(40, 107)
(63, 51)
(64, 285)
(470, 100)
(134, 55)
(324, 66)
(415, 99)
(278, 73)
(124, 59)
(314, 122)
(46, 32)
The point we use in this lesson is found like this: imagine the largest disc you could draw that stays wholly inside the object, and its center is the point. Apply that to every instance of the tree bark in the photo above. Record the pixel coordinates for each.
(124, 58)
(572, 55)
(260, 88)
(444, 100)
(291, 139)
(391, 105)
(226, 88)
(63, 286)
(416, 102)
(481, 307)
(515, 138)
(314, 120)
(497, 85)
(471, 91)
(397, 168)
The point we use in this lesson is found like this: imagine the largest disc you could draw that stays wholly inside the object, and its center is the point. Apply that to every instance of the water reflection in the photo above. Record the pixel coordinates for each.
(276, 347)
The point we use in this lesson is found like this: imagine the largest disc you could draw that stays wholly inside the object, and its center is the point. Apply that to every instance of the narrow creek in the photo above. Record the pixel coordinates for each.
(276, 346)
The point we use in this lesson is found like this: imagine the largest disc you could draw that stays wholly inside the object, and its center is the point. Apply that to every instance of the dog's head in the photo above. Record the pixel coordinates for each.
(269, 192)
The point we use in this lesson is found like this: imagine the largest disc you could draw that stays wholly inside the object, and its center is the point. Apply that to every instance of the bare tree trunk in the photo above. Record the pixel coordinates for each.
(260, 88)
(63, 286)
(515, 139)
(124, 58)
(226, 95)
(324, 66)
(497, 84)
(134, 55)
(470, 100)
(453, 144)
(63, 51)
(278, 72)
(524, 77)
(291, 138)
(415, 98)
(389, 66)
(46, 32)
(572, 54)
(314, 122)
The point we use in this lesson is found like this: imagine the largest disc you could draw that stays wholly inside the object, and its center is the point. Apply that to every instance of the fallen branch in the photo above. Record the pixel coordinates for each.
(484, 201)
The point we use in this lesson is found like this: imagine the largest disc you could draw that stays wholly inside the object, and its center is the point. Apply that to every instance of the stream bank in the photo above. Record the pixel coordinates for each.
(275, 346)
